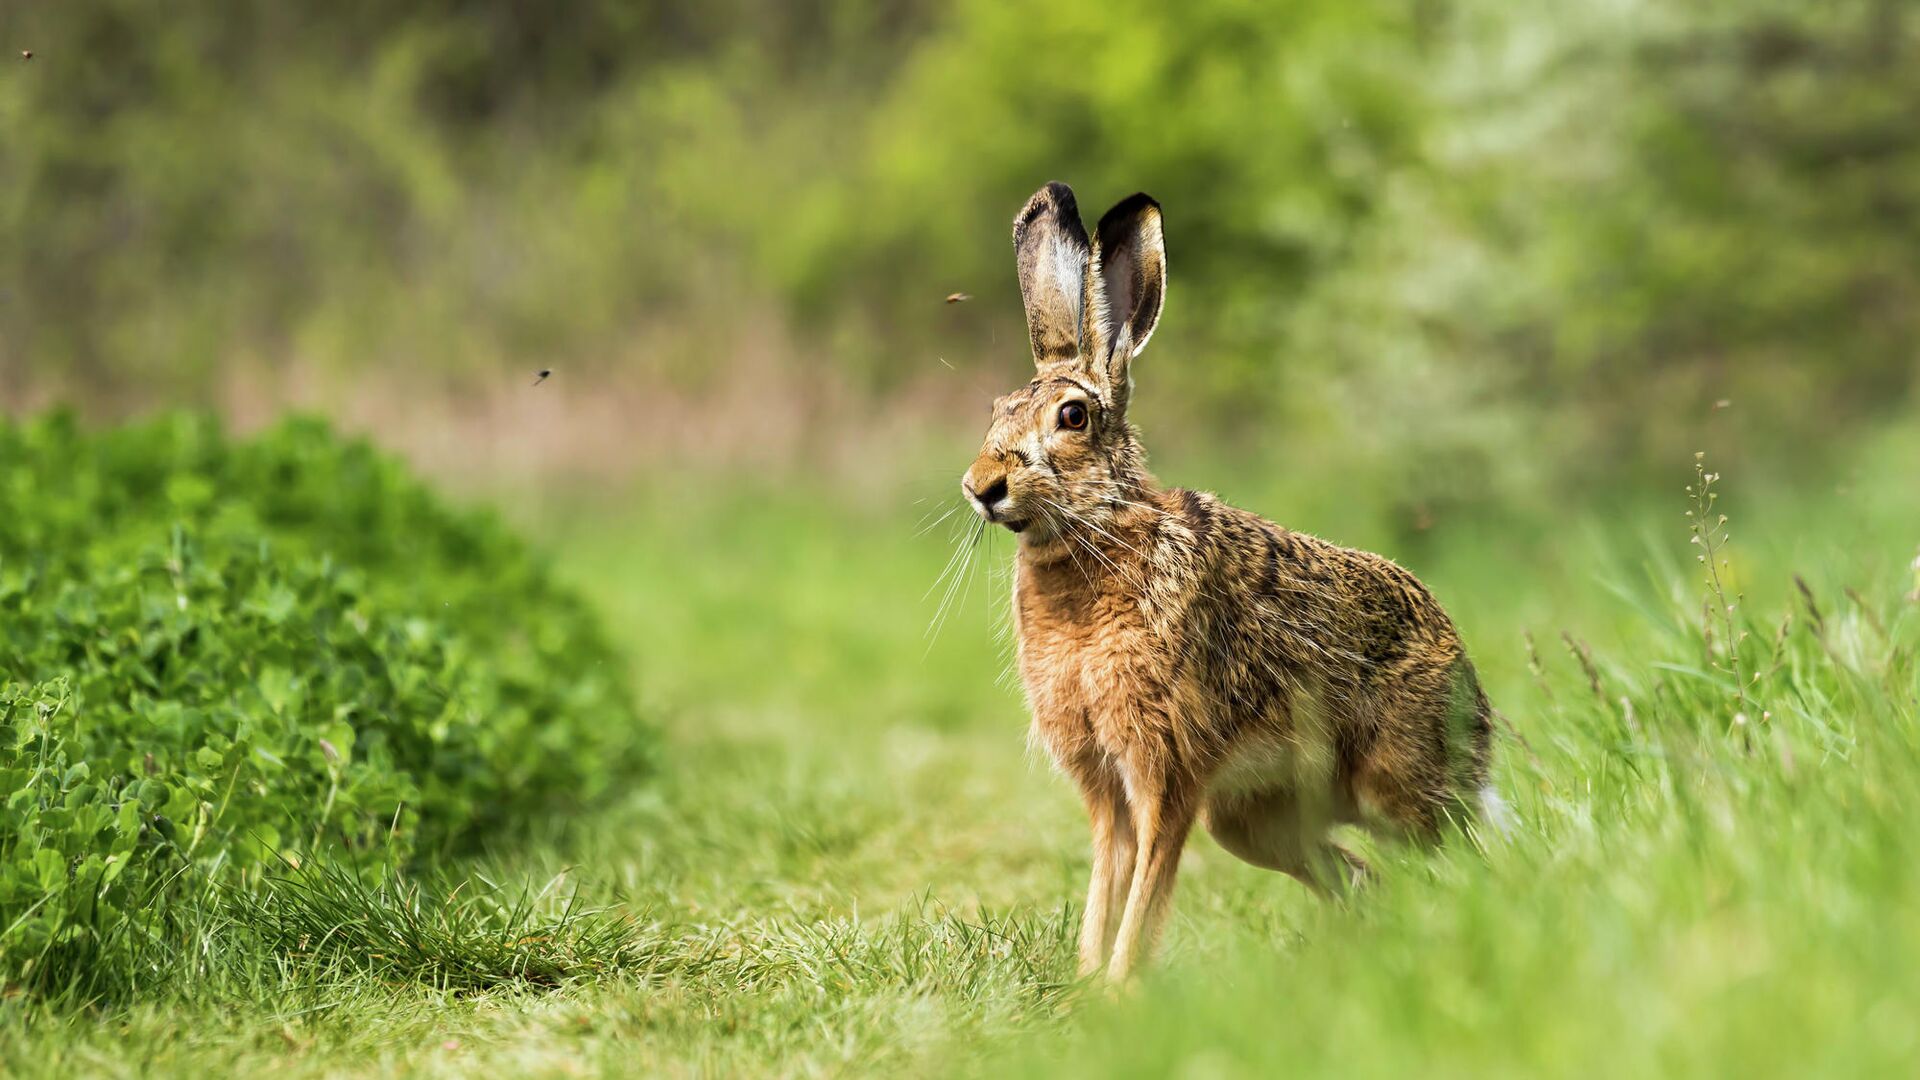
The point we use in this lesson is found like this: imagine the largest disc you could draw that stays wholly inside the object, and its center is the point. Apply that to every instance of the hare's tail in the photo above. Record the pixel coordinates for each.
(1474, 762)
(1495, 811)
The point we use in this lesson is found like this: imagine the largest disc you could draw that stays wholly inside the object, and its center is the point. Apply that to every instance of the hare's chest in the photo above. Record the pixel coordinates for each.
(1092, 682)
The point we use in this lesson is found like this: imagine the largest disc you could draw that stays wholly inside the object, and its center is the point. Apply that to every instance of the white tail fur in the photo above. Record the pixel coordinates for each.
(1495, 811)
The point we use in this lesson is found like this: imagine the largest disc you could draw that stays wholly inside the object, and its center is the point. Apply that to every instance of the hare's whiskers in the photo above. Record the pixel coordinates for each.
(935, 523)
(953, 583)
(952, 559)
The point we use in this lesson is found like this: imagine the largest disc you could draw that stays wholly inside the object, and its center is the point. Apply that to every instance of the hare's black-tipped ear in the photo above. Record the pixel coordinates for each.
(1133, 273)
(1051, 250)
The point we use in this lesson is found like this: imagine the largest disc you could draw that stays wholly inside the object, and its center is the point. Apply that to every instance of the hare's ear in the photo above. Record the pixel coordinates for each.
(1061, 295)
(1133, 273)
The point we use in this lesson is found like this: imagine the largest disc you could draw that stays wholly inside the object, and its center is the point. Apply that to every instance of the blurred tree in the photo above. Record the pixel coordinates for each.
(1506, 243)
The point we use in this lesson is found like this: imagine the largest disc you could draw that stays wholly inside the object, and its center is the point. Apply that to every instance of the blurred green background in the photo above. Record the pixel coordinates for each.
(1458, 253)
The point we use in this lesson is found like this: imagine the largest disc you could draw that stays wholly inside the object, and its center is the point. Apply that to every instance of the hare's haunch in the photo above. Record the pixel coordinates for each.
(1185, 660)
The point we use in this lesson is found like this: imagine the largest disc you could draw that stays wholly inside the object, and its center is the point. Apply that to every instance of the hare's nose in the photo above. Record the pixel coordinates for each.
(988, 494)
(992, 493)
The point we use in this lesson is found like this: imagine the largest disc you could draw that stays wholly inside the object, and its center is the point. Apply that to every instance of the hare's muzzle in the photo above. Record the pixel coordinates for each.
(988, 494)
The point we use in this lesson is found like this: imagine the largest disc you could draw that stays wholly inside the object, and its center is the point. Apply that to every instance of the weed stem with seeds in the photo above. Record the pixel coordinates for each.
(1709, 529)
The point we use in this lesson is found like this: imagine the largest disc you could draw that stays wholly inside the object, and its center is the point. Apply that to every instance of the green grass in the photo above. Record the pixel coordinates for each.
(852, 863)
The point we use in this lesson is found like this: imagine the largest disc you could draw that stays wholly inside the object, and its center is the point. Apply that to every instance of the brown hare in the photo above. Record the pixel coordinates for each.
(1185, 660)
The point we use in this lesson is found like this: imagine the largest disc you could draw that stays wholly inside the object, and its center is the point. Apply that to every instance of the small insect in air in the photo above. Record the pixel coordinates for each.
(541, 376)
(26, 54)
(958, 298)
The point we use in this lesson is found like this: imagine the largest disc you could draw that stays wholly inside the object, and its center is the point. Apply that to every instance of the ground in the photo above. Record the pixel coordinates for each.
(853, 864)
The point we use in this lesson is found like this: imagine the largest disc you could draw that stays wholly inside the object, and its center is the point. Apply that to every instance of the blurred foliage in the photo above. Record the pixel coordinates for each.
(218, 655)
(1508, 245)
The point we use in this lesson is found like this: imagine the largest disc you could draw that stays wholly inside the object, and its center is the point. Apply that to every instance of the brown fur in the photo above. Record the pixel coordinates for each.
(1187, 661)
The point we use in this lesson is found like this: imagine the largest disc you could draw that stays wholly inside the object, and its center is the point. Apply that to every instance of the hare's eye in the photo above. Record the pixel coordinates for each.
(1073, 416)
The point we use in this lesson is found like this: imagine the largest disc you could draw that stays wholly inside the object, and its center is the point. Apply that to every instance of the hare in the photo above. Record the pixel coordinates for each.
(1185, 660)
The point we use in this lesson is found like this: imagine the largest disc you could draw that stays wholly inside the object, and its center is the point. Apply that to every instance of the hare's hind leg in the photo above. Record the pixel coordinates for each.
(1428, 762)
(1271, 830)
(1113, 857)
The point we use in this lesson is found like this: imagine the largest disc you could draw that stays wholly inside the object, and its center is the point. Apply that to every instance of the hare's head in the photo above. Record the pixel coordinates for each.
(1060, 452)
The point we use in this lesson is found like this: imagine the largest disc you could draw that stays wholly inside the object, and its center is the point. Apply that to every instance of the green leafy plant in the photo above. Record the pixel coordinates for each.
(217, 656)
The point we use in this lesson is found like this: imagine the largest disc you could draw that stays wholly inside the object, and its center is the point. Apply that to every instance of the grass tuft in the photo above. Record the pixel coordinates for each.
(324, 917)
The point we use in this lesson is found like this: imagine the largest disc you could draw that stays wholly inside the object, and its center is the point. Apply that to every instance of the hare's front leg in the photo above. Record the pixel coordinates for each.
(1163, 811)
(1113, 858)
